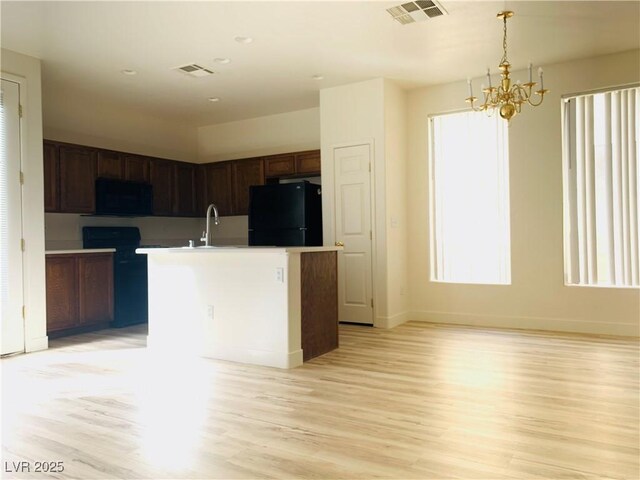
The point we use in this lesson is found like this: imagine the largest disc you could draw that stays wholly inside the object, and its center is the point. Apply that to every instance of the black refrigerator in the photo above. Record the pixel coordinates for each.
(285, 215)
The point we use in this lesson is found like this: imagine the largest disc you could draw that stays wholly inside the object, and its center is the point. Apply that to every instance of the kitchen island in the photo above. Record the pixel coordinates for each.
(273, 306)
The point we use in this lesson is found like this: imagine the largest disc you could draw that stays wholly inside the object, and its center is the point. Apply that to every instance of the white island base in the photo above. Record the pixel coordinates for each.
(261, 305)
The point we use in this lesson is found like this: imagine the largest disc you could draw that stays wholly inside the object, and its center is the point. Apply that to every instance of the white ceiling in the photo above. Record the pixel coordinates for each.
(85, 45)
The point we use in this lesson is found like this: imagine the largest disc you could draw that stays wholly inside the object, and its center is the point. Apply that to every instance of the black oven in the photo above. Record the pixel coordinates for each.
(130, 271)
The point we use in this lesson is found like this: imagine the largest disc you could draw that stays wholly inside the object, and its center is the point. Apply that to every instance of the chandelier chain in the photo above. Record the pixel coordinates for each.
(504, 41)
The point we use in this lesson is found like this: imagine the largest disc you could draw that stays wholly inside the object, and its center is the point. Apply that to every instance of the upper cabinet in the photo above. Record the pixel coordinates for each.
(290, 165)
(77, 179)
(51, 177)
(218, 187)
(179, 188)
(246, 173)
(161, 175)
(136, 168)
(184, 193)
(280, 165)
(110, 165)
(308, 163)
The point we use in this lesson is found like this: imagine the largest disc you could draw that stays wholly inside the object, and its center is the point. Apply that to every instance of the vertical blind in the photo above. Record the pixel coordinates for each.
(601, 178)
(469, 192)
(4, 227)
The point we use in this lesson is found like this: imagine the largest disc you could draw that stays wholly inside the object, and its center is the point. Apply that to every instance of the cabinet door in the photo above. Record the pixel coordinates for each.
(201, 194)
(279, 165)
(77, 179)
(308, 163)
(161, 174)
(136, 168)
(246, 173)
(184, 194)
(219, 187)
(110, 165)
(62, 293)
(95, 288)
(51, 177)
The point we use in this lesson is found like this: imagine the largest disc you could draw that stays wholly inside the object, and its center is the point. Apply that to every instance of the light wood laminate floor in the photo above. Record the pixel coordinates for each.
(417, 402)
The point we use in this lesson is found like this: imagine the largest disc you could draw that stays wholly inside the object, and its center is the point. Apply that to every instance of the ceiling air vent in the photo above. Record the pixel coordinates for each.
(417, 11)
(194, 70)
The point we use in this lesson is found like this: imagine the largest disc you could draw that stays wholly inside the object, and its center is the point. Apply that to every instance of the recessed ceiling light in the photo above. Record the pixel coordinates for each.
(127, 71)
(214, 99)
(241, 39)
(223, 61)
(317, 77)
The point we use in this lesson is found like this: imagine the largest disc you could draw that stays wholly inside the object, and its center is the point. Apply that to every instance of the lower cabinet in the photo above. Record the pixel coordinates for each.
(79, 291)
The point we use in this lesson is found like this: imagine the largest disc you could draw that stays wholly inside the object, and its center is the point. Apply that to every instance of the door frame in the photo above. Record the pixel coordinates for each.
(22, 99)
(329, 205)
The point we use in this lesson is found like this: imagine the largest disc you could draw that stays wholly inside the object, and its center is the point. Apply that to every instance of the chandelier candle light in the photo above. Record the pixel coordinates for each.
(506, 96)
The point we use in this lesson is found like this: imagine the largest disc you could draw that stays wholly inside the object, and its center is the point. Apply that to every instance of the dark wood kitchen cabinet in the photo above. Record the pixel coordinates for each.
(62, 292)
(110, 165)
(136, 168)
(280, 165)
(79, 292)
(77, 167)
(308, 163)
(179, 188)
(51, 177)
(161, 175)
(218, 187)
(246, 173)
(291, 165)
(95, 288)
(184, 194)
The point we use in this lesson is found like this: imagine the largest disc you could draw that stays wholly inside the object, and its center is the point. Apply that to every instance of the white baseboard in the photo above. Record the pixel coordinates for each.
(35, 344)
(392, 321)
(223, 352)
(253, 356)
(529, 323)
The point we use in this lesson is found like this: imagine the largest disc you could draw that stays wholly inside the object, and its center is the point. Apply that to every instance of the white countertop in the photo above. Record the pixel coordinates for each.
(80, 250)
(236, 249)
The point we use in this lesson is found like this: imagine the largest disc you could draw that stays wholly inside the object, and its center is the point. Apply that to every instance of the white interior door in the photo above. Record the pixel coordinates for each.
(11, 288)
(353, 230)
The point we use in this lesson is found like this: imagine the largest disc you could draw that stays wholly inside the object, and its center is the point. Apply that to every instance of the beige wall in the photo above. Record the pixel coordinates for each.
(372, 112)
(395, 131)
(537, 297)
(76, 117)
(28, 68)
(281, 133)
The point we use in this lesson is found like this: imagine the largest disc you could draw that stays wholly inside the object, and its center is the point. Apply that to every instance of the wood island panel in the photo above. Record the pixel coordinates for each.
(319, 296)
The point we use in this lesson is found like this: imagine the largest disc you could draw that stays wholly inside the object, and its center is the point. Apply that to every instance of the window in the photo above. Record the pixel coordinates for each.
(469, 191)
(601, 150)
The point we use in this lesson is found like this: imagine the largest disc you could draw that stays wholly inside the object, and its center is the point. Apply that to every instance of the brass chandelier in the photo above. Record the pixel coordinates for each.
(508, 97)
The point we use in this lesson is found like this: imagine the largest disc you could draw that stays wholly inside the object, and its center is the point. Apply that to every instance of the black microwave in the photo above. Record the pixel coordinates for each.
(118, 197)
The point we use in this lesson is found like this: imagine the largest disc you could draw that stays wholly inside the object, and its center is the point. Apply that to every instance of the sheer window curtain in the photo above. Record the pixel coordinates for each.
(601, 153)
(469, 191)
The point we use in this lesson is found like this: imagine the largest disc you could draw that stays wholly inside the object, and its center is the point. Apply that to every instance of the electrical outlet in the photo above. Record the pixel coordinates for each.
(210, 311)
(280, 275)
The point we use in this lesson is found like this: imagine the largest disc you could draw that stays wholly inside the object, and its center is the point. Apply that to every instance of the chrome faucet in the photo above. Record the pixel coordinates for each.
(206, 235)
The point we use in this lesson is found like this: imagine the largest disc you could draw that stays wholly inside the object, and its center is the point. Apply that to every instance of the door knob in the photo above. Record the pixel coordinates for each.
(339, 244)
